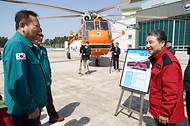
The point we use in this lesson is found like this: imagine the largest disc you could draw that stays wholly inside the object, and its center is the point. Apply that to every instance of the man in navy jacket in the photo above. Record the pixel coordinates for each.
(115, 55)
(187, 89)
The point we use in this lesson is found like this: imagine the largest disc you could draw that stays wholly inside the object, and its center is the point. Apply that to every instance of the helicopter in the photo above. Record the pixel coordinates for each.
(99, 35)
(94, 28)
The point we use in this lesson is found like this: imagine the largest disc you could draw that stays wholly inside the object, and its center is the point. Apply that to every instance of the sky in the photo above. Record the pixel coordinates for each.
(54, 27)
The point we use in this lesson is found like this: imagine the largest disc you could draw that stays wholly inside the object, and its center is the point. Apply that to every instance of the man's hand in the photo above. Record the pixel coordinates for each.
(35, 114)
(163, 120)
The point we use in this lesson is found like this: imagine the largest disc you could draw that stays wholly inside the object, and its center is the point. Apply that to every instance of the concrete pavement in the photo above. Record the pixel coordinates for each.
(91, 100)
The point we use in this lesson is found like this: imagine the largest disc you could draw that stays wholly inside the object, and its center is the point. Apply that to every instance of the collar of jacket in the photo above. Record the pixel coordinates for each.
(153, 58)
(24, 39)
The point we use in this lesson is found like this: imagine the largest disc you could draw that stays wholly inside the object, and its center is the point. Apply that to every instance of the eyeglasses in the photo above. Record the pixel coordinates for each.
(41, 35)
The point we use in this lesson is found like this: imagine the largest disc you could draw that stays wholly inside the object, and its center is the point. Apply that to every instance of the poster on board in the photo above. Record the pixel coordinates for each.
(136, 71)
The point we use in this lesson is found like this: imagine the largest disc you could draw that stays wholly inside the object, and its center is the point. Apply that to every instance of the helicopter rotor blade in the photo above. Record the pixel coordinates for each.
(125, 2)
(44, 5)
(67, 16)
(123, 24)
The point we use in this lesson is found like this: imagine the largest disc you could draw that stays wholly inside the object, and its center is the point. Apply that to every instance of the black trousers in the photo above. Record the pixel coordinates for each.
(188, 105)
(158, 124)
(116, 63)
(22, 120)
(50, 107)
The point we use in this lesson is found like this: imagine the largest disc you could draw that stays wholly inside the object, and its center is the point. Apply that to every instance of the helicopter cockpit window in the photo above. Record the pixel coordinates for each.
(89, 25)
(104, 25)
(97, 25)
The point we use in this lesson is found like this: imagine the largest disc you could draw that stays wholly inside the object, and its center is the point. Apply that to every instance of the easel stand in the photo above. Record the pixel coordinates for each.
(130, 103)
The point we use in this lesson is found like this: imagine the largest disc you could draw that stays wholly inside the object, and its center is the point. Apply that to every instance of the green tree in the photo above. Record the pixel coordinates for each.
(3, 40)
(47, 42)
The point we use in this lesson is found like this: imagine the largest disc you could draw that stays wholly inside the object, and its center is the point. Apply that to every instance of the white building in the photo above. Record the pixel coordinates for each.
(128, 40)
(155, 3)
(75, 46)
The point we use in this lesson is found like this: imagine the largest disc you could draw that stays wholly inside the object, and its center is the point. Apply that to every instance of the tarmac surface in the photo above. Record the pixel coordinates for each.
(91, 100)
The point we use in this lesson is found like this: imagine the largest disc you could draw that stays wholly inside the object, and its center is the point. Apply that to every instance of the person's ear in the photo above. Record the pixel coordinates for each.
(22, 25)
(163, 43)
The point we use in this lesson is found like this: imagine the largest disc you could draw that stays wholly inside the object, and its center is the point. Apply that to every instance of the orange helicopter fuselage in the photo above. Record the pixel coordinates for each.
(98, 42)
(98, 34)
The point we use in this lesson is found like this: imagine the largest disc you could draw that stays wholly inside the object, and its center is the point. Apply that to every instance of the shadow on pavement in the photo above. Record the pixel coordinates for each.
(82, 121)
(68, 109)
(104, 62)
(92, 71)
(43, 116)
(134, 106)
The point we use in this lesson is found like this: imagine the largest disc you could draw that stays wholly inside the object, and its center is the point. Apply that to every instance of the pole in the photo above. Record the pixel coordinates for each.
(80, 67)
(111, 63)
(112, 51)
(119, 103)
(141, 110)
(130, 101)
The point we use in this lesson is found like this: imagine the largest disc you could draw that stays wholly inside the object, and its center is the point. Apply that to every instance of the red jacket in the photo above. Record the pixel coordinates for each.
(4, 117)
(166, 87)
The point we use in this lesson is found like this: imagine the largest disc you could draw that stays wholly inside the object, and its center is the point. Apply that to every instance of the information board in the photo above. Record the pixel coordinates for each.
(136, 70)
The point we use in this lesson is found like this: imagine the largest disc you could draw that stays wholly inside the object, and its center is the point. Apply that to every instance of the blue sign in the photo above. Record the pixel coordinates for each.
(136, 71)
(187, 6)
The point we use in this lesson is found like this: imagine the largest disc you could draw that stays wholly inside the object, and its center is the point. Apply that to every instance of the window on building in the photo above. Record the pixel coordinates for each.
(130, 36)
(130, 46)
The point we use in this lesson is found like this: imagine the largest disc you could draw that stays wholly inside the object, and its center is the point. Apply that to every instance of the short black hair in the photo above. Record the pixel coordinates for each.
(159, 34)
(87, 42)
(24, 15)
(169, 42)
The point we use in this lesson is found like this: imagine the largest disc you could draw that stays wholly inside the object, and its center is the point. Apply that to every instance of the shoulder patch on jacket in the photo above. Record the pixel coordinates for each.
(166, 59)
(158, 66)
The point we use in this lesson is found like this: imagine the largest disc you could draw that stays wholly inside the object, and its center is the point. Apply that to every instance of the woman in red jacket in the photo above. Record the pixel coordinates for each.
(166, 86)
(4, 117)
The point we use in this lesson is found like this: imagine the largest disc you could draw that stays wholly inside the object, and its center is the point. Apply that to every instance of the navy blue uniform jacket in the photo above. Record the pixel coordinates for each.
(118, 51)
(187, 77)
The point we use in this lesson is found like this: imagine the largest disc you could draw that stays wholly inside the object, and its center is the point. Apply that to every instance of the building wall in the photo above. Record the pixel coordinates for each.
(169, 10)
(128, 40)
(154, 3)
(178, 30)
